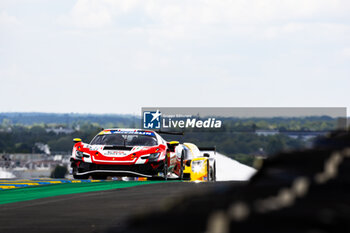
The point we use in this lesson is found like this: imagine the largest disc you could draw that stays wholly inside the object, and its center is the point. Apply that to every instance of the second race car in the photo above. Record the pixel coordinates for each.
(195, 164)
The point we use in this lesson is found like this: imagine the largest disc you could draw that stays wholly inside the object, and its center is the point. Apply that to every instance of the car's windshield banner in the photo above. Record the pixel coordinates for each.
(146, 133)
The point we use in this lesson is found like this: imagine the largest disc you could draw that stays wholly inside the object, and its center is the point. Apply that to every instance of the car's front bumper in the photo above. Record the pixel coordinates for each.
(153, 169)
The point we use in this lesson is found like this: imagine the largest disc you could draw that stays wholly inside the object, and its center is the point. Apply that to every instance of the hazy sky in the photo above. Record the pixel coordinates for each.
(116, 56)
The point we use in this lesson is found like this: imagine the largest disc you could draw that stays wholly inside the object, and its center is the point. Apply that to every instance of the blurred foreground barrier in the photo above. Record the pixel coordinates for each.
(302, 191)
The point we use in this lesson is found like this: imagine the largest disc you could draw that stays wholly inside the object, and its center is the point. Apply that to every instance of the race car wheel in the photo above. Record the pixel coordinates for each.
(208, 171)
(181, 175)
(165, 169)
(99, 177)
(79, 177)
(214, 172)
(211, 173)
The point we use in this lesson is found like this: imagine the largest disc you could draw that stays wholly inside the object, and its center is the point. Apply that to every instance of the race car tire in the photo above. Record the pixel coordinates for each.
(99, 177)
(214, 172)
(80, 177)
(181, 175)
(165, 169)
(208, 171)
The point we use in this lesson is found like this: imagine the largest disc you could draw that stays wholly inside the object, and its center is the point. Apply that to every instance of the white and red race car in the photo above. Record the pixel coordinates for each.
(123, 152)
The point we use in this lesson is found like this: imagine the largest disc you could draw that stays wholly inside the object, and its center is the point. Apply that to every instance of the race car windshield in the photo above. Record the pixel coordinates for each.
(124, 140)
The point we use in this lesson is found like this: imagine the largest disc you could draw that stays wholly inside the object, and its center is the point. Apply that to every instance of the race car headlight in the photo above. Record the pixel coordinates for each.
(79, 154)
(197, 165)
(154, 156)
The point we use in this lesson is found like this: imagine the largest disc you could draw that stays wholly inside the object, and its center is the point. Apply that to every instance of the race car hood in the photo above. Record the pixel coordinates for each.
(118, 150)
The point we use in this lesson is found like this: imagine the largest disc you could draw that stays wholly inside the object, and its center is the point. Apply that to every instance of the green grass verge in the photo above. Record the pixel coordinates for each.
(42, 191)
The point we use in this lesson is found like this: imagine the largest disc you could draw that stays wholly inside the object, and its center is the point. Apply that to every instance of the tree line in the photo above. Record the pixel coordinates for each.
(237, 139)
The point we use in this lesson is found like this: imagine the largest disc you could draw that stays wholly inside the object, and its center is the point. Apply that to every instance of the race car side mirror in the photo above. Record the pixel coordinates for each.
(76, 140)
(174, 143)
(206, 155)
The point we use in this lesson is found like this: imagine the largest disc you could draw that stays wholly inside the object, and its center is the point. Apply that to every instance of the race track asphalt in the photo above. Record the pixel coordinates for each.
(96, 211)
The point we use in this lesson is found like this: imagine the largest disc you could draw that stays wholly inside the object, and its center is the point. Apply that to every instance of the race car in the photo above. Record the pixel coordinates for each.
(123, 152)
(195, 164)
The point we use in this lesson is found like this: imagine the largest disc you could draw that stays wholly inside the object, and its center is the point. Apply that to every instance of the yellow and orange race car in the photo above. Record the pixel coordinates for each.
(195, 164)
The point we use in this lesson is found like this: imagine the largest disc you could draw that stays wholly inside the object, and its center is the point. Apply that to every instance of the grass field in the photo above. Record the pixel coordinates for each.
(24, 190)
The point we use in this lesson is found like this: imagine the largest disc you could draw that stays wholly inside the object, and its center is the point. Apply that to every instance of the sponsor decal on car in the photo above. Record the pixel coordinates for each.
(130, 132)
(111, 152)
